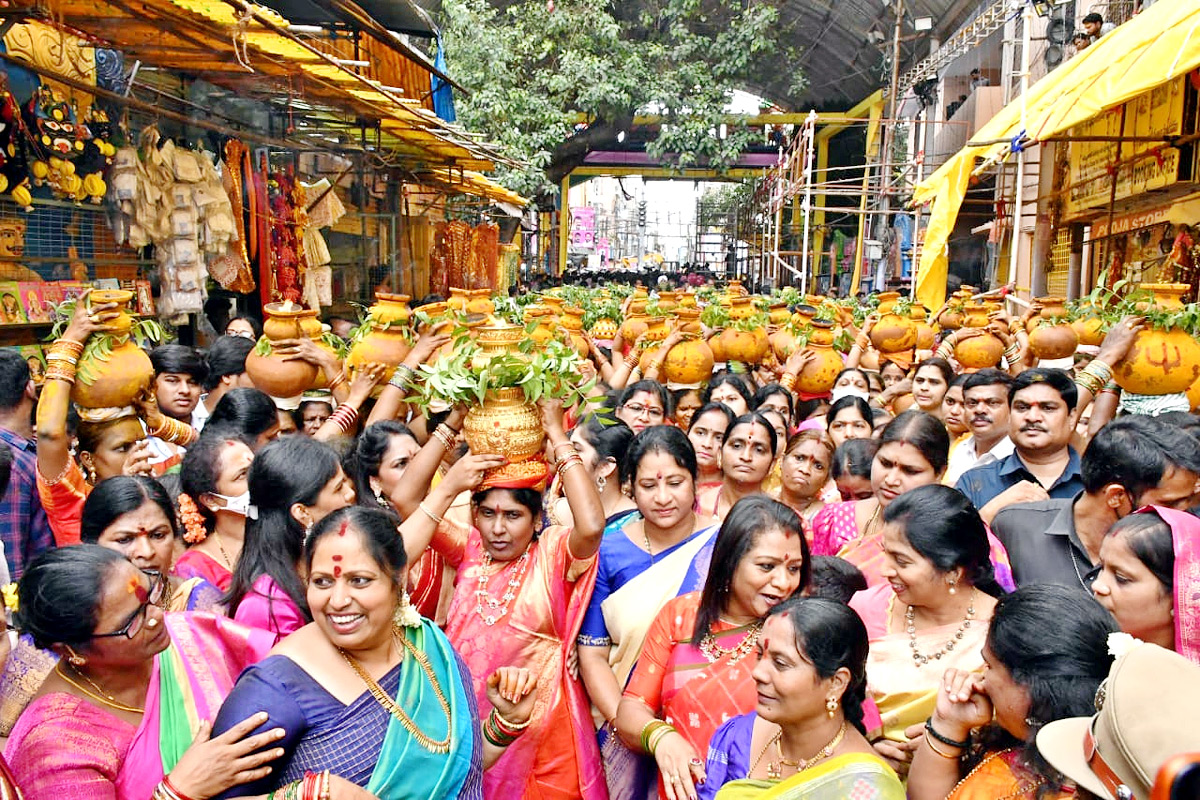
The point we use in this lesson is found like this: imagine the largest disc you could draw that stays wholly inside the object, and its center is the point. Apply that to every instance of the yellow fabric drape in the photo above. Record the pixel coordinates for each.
(1157, 45)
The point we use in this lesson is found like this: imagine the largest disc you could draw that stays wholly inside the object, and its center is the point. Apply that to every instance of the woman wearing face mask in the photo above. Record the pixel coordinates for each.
(213, 504)
(805, 739)
(294, 483)
(519, 597)
(1148, 580)
(747, 452)
(707, 434)
(696, 663)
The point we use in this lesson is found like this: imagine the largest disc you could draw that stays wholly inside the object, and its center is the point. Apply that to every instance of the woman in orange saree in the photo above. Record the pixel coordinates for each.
(931, 613)
(695, 668)
(1047, 654)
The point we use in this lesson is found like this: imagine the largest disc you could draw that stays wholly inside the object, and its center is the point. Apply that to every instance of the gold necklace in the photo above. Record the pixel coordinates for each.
(102, 697)
(221, 547)
(396, 711)
(714, 652)
(775, 768)
(919, 658)
(1023, 790)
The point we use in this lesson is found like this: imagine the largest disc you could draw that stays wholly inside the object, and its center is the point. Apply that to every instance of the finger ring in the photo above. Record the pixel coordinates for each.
(675, 779)
(695, 762)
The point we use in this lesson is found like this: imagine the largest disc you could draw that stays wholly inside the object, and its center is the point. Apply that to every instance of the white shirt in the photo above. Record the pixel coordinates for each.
(964, 457)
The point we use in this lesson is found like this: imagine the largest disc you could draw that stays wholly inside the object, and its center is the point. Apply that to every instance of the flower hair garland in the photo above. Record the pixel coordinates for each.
(194, 531)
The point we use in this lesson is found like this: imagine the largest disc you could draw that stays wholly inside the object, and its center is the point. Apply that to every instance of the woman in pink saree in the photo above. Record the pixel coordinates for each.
(130, 703)
(1150, 580)
(519, 598)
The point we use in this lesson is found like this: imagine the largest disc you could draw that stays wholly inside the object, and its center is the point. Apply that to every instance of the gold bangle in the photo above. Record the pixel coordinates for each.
(338, 380)
(437, 520)
(940, 752)
(69, 346)
(510, 724)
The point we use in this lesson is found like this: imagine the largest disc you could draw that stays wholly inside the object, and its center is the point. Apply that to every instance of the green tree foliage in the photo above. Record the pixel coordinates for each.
(533, 67)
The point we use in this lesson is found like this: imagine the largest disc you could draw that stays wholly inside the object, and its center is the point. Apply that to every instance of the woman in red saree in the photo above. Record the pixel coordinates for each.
(695, 668)
(131, 700)
(519, 599)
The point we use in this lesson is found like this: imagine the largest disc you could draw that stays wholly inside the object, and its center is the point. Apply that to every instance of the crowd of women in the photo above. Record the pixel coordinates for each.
(726, 591)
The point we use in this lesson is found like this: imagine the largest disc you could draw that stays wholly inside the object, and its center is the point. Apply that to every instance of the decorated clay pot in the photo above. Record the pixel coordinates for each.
(689, 362)
(459, 298)
(1193, 396)
(984, 350)
(1160, 362)
(545, 318)
(784, 343)
(553, 302)
(635, 325)
(1167, 296)
(819, 374)
(687, 300)
(504, 424)
(804, 316)
(748, 347)
(571, 321)
(271, 373)
(668, 300)
(113, 380)
(480, 302)
(741, 307)
(387, 341)
(894, 333)
(779, 313)
(951, 319)
(1053, 341)
(887, 301)
(1090, 330)
(603, 329)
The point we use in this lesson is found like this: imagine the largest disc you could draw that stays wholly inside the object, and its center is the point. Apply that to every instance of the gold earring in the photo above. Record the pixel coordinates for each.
(406, 614)
(831, 707)
(74, 658)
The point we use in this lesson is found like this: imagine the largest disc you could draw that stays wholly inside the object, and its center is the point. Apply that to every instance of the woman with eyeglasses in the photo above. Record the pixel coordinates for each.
(127, 711)
(643, 404)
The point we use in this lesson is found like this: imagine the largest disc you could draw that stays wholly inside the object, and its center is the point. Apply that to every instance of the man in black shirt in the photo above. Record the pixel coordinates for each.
(1131, 462)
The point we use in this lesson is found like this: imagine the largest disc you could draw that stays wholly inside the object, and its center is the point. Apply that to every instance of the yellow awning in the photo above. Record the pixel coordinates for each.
(1157, 45)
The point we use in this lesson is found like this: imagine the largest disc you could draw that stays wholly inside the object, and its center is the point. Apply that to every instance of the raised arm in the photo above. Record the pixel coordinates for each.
(580, 490)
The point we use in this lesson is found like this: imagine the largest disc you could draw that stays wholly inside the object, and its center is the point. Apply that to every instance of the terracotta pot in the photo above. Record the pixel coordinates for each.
(741, 307)
(668, 300)
(951, 319)
(1160, 362)
(818, 375)
(311, 327)
(504, 424)
(1090, 330)
(280, 378)
(784, 343)
(553, 302)
(124, 374)
(925, 336)
(894, 334)
(459, 298)
(571, 321)
(803, 316)
(604, 329)
(546, 320)
(1053, 341)
(633, 327)
(887, 300)
(870, 360)
(687, 300)
(1168, 296)
(779, 313)
(390, 309)
(640, 293)
(748, 347)
(688, 320)
(387, 341)
(283, 320)
(903, 403)
(1193, 396)
(480, 302)
(979, 352)
(123, 322)
(734, 288)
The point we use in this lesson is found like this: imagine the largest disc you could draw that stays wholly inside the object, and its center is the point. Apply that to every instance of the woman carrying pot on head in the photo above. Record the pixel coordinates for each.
(213, 504)
(1149, 578)
(707, 434)
(931, 610)
(134, 517)
(1046, 655)
(520, 595)
(370, 696)
(294, 483)
(730, 389)
(125, 713)
(806, 737)
(602, 446)
(112, 441)
(695, 667)
(747, 452)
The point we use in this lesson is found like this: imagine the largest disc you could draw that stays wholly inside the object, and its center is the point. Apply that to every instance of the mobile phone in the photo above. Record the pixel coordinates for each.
(1178, 779)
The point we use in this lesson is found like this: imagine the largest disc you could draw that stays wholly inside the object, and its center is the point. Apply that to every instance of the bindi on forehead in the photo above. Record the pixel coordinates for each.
(337, 571)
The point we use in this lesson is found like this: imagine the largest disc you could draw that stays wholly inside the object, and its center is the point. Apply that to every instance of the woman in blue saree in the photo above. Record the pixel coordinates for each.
(371, 691)
(645, 560)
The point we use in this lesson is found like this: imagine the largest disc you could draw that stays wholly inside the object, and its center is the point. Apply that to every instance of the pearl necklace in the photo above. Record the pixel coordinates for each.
(714, 652)
(921, 659)
(498, 607)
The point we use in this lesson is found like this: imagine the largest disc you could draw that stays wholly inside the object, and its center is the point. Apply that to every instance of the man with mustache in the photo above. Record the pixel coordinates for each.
(1041, 406)
(985, 412)
(1130, 462)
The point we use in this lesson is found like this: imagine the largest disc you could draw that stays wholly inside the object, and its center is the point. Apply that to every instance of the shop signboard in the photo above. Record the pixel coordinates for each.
(1153, 115)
